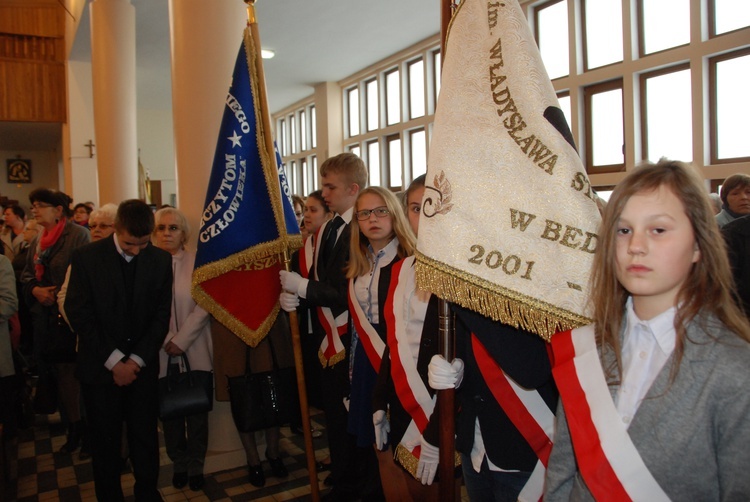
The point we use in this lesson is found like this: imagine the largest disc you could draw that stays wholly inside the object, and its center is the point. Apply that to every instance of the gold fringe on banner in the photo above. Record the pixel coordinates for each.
(247, 335)
(494, 301)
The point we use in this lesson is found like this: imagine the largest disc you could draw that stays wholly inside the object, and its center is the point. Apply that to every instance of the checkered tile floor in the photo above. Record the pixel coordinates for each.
(46, 475)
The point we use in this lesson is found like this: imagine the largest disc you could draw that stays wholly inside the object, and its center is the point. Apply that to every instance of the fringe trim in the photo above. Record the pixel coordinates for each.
(493, 301)
(335, 359)
(409, 462)
(250, 255)
(249, 336)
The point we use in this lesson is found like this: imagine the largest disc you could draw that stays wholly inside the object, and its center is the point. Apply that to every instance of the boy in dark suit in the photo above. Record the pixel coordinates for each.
(118, 302)
(326, 291)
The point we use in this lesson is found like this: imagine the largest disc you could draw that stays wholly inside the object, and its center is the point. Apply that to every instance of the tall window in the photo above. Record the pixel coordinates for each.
(603, 42)
(604, 126)
(416, 89)
(393, 97)
(664, 24)
(395, 167)
(373, 162)
(373, 105)
(296, 139)
(668, 114)
(564, 99)
(730, 106)
(353, 110)
(418, 140)
(404, 92)
(552, 36)
(729, 15)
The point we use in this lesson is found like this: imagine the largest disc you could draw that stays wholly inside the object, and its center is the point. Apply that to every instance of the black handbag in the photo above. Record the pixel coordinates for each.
(262, 400)
(182, 394)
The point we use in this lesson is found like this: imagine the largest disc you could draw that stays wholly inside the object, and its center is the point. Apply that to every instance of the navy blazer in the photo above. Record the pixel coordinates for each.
(97, 307)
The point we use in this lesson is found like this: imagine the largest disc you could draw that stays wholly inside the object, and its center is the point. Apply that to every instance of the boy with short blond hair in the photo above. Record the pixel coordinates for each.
(343, 176)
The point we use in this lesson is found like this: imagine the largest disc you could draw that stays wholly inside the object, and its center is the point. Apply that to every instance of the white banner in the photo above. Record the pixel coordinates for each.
(509, 222)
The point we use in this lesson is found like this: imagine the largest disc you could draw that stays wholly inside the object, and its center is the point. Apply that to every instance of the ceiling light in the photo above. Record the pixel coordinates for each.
(267, 53)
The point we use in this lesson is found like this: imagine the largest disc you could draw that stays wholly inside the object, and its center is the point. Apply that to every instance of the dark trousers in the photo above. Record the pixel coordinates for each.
(342, 445)
(186, 440)
(137, 404)
(492, 485)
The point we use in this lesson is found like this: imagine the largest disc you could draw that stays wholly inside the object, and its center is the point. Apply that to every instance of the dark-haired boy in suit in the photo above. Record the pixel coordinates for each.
(118, 302)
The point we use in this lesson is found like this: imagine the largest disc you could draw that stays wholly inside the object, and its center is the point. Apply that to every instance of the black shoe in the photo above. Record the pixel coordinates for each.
(255, 475)
(179, 479)
(329, 481)
(277, 466)
(321, 467)
(197, 482)
(75, 431)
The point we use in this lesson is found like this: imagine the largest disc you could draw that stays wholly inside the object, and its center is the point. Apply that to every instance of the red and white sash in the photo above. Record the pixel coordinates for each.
(306, 257)
(528, 412)
(372, 343)
(410, 388)
(331, 350)
(607, 458)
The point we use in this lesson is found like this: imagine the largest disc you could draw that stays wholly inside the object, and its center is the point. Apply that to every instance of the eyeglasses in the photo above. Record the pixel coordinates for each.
(40, 205)
(103, 226)
(380, 212)
(171, 228)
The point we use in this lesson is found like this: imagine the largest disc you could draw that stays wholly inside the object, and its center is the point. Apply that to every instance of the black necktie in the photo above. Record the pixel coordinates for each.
(331, 235)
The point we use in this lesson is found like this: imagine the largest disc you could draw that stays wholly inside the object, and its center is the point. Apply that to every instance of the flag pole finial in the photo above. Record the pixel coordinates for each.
(250, 12)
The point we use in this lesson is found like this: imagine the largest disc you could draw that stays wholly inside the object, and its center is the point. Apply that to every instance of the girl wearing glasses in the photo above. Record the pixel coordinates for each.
(380, 236)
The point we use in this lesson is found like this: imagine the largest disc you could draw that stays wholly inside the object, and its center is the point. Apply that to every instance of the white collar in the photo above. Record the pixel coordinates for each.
(661, 326)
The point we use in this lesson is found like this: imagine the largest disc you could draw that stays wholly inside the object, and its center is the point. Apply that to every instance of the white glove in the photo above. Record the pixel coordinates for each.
(294, 283)
(382, 428)
(428, 462)
(289, 301)
(444, 375)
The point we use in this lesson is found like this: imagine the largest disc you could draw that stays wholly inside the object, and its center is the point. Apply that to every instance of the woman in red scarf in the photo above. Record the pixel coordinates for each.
(46, 264)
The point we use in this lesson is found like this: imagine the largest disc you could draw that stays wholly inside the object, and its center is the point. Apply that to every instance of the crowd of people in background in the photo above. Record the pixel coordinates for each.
(369, 342)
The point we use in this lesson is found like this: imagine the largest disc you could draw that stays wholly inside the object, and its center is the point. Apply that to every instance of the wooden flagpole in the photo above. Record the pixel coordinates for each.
(446, 343)
(293, 321)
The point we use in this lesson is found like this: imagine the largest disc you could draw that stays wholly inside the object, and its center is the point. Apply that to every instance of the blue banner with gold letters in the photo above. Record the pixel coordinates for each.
(248, 218)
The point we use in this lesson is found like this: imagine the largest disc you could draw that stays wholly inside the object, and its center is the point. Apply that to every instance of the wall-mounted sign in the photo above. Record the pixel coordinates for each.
(19, 170)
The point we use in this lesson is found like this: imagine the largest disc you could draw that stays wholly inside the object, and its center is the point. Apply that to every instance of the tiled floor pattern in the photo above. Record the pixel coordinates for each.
(46, 475)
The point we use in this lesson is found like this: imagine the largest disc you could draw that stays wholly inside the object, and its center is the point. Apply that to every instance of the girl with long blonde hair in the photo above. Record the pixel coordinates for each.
(654, 393)
(380, 236)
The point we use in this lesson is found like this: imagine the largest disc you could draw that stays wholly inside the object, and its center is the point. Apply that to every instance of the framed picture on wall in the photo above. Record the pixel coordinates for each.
(19, 170)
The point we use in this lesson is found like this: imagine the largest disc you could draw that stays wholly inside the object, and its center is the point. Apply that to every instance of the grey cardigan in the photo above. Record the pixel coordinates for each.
(693, 435)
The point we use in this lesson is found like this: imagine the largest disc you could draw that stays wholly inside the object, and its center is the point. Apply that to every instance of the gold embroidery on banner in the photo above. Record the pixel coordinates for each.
(442, 205)
(491, 300)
